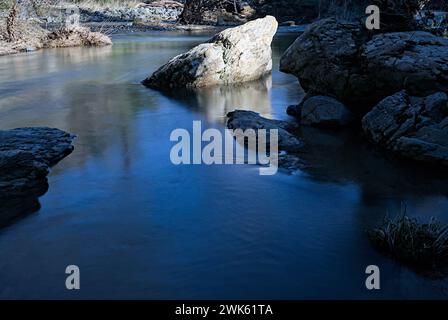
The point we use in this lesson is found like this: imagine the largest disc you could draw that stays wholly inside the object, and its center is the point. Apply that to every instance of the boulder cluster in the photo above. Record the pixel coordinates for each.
(395, 82)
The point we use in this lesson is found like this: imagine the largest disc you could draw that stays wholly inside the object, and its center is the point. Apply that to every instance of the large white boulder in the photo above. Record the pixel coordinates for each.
(234, 55)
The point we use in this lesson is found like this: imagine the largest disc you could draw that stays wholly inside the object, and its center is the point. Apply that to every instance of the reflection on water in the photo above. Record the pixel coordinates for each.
(13, 209)
(215, 102)
(140, 227)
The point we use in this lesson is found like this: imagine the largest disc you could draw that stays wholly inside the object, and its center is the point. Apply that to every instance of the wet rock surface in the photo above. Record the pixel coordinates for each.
(413, 127)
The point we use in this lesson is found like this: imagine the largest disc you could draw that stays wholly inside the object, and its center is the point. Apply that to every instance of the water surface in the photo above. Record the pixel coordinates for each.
(140, 227)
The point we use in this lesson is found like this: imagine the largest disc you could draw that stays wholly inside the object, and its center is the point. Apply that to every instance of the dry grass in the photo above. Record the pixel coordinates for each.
(32, 36)
(422, 245)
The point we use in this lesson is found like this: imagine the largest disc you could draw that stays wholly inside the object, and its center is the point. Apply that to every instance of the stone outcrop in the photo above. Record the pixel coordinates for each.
(234, 55)
(340, 59)
(26, 154)
(324, 58)
(413, 127)
(417, 62)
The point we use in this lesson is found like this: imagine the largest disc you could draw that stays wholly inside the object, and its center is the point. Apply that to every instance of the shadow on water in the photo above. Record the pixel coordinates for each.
(382, 178)
(346, 156)
(12, 210)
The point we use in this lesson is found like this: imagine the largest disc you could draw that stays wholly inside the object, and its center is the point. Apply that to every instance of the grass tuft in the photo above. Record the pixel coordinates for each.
(422, 245)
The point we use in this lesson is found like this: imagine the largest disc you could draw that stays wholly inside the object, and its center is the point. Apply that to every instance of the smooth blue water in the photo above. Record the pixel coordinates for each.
(140, 227)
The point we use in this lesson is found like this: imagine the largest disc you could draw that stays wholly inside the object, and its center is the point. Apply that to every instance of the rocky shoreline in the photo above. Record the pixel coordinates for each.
(30, 36)
(105, 20)
(393, 83)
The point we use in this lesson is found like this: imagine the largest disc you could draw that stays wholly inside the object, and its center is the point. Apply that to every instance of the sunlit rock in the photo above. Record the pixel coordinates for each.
(234, 55)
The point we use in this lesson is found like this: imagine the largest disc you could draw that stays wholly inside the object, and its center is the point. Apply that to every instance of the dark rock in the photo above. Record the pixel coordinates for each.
(417, 62)
(324, 58)
(46, 144)
(294, 110)
(215, 12)
(287, 141)
(336, 58)
(25, 157)
(325, 112)
(413, 127)
(12, 209)
(21, 171)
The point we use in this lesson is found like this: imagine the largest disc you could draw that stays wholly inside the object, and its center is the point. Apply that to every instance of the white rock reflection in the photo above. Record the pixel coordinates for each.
(216, 102)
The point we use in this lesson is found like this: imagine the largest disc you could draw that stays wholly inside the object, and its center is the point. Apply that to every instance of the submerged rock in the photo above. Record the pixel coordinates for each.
(287, 141)
(25, 157)
(338, 59)
(234, 55)
(413, 127)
